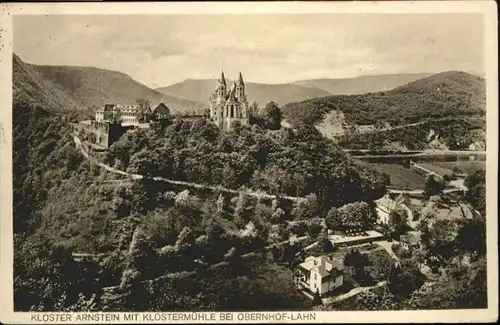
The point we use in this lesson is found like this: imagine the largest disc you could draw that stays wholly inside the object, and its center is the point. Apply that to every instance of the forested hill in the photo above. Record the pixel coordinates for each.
(441, 95)
(71, 87)
(63, 204)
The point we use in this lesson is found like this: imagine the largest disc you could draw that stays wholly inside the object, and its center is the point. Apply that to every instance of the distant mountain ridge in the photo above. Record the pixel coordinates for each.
(200, 90)
(362, 84)
(71, 87)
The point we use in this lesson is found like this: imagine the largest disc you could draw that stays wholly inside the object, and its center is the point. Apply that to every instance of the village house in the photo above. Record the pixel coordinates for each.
(160, 112)
(321, 274)
(410, 240)
(386, 204)
(477, 146)
(435, 210)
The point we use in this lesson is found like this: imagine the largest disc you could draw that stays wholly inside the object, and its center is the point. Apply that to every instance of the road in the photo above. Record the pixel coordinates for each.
(249, 192)
(418, 192)
(352, 293)
(434, 153)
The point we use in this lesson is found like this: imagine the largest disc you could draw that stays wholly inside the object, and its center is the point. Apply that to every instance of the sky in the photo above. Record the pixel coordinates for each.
(162, 50)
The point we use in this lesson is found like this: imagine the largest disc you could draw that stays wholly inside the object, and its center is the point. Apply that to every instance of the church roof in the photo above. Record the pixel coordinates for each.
(232, 93)
(231, 96)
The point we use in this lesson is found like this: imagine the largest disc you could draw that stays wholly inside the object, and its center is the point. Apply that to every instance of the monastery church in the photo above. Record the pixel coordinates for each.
(229, 105)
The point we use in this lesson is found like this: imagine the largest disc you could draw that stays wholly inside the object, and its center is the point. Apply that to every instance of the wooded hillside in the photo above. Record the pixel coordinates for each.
(441, 95)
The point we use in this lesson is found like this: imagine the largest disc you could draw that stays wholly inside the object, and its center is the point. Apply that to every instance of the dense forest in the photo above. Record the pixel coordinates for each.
(63, 205)
(84, 242)
(294, 163)
(455, 134)
(438, 96)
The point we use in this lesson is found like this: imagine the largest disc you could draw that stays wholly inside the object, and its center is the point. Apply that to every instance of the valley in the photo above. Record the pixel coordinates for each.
(143, 216)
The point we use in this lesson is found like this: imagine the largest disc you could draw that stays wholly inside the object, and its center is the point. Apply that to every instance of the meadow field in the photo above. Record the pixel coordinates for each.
(445, 167)
(466, 166)
(401, 177)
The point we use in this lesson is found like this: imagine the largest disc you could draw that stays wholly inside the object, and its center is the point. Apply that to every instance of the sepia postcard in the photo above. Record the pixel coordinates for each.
(255, 162)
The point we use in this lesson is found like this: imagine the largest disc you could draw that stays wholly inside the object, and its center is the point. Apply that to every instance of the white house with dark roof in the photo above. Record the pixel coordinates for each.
(386, 204)
(322, 274)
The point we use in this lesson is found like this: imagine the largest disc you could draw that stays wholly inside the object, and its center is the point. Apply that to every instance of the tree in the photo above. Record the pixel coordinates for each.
(289, 253)
(471, 237)
(314, 228)
(334, 220)
(433, 186)
(398, 223)
(278, 216)
(324, 243)
(272, 116)
(476, 193)
(243, 209)
(141, 254)
(404, 280)
(185, 241)
(357, 215)
(302, 209)
(357, 262)
(254, 108)
(440, 240)
(299, 228)
(132, 291)
(144, 110)
(317, 299)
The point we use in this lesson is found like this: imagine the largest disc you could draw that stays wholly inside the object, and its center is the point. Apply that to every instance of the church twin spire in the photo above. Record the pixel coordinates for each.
(222, 79)
(228, 105)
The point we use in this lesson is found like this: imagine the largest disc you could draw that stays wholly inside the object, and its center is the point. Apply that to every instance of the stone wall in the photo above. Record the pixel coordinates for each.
(100, 133)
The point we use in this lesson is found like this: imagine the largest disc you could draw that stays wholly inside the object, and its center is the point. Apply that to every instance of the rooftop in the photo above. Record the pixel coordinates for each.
(387, 203)
(324, 265)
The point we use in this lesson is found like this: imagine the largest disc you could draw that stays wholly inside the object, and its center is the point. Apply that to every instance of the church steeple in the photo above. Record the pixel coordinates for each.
(222, 79)
(221, 89)
(240, 89)
(240, 80)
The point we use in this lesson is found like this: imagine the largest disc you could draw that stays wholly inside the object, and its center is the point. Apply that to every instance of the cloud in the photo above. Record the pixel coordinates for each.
(266, 48)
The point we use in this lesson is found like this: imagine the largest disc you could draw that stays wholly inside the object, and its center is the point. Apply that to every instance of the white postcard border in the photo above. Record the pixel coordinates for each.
(487, 8)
